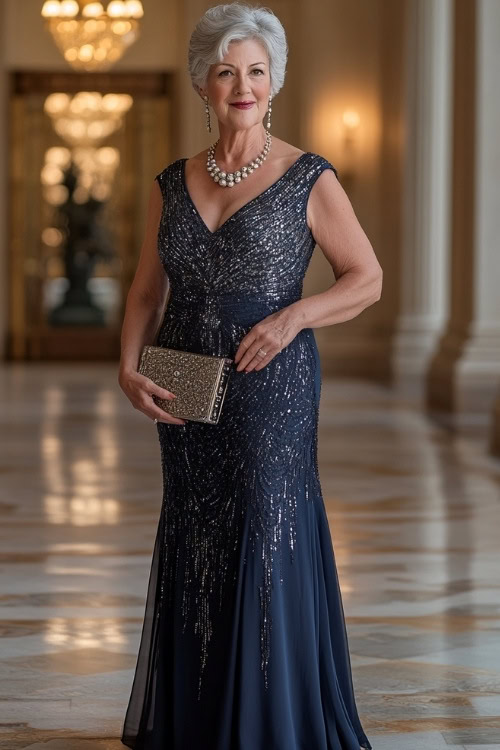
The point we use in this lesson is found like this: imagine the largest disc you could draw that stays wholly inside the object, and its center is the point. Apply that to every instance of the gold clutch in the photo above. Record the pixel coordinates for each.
(199, 381)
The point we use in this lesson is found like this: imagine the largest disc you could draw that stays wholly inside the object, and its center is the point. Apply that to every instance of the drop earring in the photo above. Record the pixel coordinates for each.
(269, 110)
(207, 113)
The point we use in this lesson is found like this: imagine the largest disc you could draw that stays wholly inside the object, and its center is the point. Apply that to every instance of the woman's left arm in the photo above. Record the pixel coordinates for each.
(357, 271)
(358, 274)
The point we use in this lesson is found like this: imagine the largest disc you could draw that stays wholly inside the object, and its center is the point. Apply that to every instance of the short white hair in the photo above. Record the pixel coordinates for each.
(232, 22)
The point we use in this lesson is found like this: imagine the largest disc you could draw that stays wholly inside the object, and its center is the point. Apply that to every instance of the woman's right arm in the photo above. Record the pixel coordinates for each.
(144, 312)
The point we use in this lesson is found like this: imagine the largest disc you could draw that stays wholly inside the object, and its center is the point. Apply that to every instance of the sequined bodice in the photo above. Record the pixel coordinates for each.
(260, 253)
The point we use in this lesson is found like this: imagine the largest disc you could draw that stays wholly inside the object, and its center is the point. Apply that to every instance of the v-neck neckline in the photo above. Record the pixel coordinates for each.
(241, 208)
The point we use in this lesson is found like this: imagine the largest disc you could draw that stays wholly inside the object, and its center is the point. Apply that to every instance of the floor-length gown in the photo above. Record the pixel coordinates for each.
(244, 644)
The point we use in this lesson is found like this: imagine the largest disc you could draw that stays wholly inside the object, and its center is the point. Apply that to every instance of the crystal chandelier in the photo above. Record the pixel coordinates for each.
(88, 117)
(89, 37)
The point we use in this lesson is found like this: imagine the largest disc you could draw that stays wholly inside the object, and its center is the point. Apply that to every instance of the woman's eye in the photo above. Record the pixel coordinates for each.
(255, 70)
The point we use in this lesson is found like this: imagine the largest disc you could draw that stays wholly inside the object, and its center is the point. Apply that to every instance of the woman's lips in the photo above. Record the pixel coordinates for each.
(243, 106)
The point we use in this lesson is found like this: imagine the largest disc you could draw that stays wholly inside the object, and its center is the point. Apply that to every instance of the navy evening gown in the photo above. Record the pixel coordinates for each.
(244, 644)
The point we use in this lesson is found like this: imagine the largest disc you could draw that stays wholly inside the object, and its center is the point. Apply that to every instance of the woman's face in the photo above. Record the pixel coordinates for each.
(243, 76)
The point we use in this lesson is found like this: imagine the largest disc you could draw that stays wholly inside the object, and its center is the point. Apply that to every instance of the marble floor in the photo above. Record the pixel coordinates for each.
(414, 514)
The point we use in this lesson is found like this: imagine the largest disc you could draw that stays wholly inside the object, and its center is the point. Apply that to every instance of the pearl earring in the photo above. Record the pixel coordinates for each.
(207, 113)
(269, 110)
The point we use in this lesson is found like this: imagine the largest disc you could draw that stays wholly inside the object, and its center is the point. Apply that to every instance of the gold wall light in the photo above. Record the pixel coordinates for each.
(351, 122)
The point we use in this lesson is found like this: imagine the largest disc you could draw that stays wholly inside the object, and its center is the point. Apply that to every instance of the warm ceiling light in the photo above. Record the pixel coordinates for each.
(89, 36)
(350, 118)
(134, 8)
(56, 103)
(92, 10)
(69, 8)
(117, 9)
(51, 9)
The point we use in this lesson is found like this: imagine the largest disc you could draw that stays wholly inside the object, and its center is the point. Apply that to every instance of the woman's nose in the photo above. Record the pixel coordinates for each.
(242, 84)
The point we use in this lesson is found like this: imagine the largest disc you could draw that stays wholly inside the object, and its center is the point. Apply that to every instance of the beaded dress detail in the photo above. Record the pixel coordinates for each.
(244, 644)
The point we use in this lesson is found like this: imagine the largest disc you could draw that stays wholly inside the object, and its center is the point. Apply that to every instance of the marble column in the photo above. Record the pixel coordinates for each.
(495, 428)
(465, 375)
(426, 221)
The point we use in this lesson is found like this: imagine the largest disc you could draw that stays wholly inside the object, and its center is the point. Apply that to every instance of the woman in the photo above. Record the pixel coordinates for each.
(244, 644)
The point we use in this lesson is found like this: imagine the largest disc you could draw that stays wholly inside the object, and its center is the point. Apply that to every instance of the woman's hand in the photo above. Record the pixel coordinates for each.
(269, 335)
(140, 389)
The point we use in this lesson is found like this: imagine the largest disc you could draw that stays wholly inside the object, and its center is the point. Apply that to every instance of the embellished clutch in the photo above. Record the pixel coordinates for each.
(199, 381)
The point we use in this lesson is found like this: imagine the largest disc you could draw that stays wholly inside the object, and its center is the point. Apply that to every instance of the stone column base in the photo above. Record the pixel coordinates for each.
(414, 345)
(361, 353)
(465, 374)
(495, 429)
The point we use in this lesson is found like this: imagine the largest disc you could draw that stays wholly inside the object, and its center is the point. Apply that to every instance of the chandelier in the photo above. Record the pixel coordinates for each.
(88, 117)
(89, 37)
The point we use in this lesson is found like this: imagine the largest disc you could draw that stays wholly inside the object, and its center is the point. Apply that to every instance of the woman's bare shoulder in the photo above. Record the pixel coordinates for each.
(196, 164)
(200, 158)
(285, 150)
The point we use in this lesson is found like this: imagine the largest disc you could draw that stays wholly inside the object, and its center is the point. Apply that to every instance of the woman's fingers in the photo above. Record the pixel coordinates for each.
(255, 358)
(147, 405)
(261, 362)
(162, 416)
(151, 387)
(154, 412)
(162, 393)
(139, 390)
(266, 336)
(159, 413)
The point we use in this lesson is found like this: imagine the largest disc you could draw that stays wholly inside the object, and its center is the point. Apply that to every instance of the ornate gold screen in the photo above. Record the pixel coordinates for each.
(84, 150)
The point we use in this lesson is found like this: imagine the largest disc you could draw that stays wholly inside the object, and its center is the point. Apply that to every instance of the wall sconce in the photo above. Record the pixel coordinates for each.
(350, 144)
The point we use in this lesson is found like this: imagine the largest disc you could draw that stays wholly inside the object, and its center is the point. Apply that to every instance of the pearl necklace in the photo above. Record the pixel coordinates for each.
(229, 179)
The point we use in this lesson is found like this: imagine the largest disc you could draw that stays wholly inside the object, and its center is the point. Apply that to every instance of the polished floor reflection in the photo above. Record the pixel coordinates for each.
(414, 516)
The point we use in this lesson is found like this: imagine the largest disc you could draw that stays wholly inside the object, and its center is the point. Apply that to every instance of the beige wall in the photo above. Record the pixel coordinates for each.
(343, 54)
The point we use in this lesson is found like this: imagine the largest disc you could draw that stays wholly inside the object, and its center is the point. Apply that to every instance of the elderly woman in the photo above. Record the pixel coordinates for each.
(244, 644)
